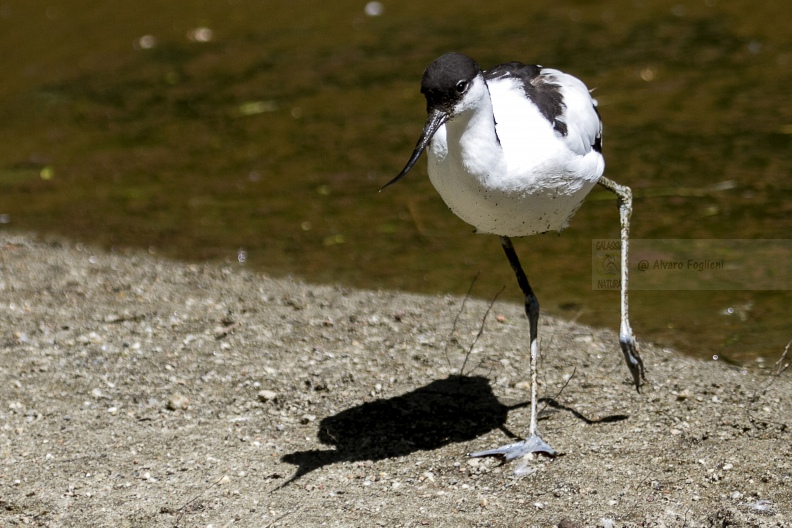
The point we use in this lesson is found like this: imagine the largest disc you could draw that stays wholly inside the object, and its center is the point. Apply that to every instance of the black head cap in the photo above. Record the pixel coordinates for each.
(444, 83)
(447, 79)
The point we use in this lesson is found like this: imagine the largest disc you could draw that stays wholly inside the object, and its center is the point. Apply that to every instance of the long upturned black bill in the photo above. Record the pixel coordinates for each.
(435, 120)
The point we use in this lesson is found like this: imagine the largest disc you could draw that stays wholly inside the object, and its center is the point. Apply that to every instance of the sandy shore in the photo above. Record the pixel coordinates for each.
(143, 392)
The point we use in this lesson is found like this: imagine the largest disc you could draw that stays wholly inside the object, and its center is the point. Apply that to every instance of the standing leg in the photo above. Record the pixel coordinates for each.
(534, 443)
(626, 339)
(532, 311)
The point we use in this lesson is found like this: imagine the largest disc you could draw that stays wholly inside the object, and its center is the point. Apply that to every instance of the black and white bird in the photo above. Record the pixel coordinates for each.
(513, 151)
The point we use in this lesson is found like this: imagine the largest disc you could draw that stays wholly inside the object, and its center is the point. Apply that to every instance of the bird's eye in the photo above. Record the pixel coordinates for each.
(461, 86)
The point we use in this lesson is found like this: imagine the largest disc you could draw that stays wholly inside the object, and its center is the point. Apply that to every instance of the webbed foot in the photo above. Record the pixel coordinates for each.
(633, 358)
(509, 452)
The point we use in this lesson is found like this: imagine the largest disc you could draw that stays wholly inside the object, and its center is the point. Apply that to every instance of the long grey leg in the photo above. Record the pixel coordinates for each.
(626, 338)
(532, 311)
(534, 443)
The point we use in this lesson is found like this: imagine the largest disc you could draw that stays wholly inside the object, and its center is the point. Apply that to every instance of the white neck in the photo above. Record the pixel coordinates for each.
(473, 130)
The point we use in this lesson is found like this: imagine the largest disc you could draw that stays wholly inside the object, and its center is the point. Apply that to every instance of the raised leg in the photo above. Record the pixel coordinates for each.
(534, 443)
(626, 338)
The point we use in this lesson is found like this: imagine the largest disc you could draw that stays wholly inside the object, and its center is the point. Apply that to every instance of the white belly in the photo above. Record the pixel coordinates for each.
(520, 199)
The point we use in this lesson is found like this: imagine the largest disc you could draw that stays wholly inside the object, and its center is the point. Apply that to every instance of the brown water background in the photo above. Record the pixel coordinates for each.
(210, 130)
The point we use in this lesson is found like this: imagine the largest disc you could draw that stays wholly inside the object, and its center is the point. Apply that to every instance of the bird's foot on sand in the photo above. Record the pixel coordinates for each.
(633, 358)
(509, 452)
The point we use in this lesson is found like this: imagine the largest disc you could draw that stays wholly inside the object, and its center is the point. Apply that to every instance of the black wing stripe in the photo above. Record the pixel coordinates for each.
(545, 95)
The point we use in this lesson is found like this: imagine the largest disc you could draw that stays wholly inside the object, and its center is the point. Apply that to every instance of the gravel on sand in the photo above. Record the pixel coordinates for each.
(137, 391)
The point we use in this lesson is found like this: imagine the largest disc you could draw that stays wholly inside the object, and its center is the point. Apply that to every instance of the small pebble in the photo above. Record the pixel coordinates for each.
(178, 402)
(307, 418)
(267, 395)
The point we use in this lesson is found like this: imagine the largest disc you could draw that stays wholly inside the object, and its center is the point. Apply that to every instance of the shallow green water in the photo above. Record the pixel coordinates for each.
(129, 126)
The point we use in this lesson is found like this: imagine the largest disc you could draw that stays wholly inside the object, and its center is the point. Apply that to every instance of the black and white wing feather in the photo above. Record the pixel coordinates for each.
(561, 98)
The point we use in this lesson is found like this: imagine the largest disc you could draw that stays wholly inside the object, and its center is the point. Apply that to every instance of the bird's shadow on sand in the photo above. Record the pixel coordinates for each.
(452, 410)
